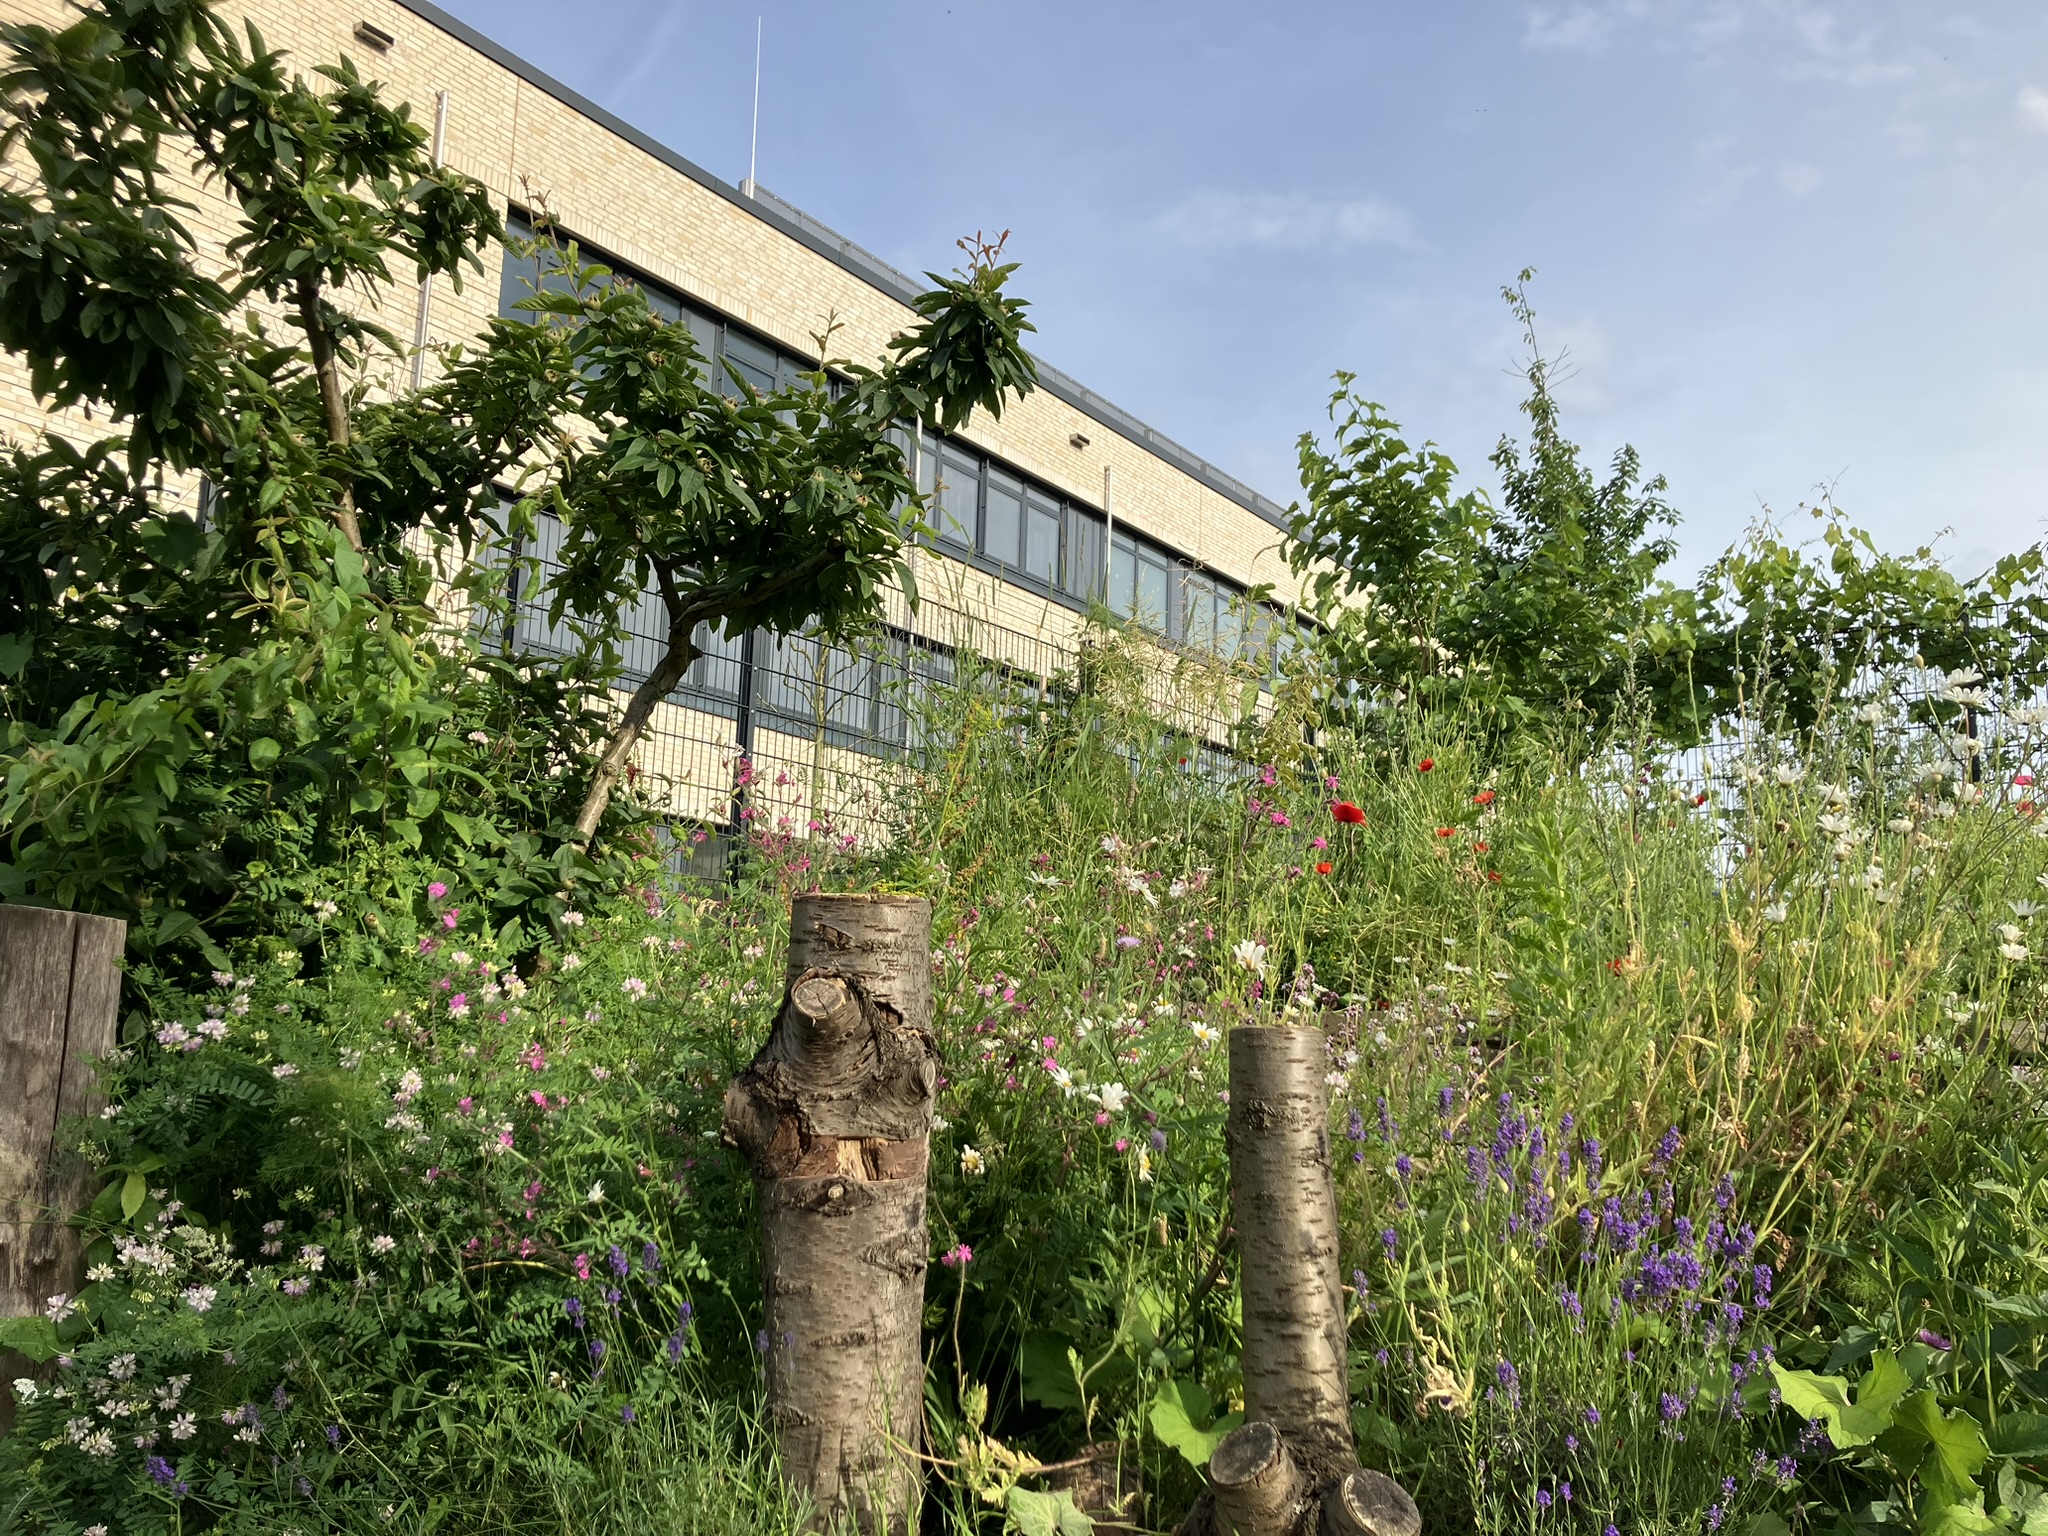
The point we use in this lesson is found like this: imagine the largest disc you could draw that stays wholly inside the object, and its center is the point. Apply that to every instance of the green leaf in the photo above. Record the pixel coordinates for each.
(1883, 1386)
(1179, 1416)
(1954, 1448)
(1958, 1520)
(15, 651)
(264, 753)
(1768, 1524)
(2022, 1435)
(1048, 1379)
(1827, 1398)
(348, 567)
(35, 1337)
(1045, 1514)
(1369, 1424)
(133, 1192)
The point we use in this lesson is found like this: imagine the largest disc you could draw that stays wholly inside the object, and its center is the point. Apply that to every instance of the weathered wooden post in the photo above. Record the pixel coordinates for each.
(60, 991)
(1291, 1466)
(834, 1115)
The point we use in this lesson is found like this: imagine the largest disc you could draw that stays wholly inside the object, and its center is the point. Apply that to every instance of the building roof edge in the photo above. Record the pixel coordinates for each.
(843, 253)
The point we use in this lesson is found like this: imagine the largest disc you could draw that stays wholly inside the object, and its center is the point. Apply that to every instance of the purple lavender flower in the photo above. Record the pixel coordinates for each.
(160, 1470)
(1592, 1415)
(676, 1342)
(626, 1414)
(1358, 1285)
(574, 1308)
(1670, 1407)
(1573, 1308)
(597, 1349)
(650, 1258)
(1590, 1150)
(1404, 1167)
(1354, 1128)
(1667, 1149)
(1934, 1340)
(1760, 1278)
(1724, 1191)
(1564, 1493)
(1390, 1242)
(618, 1261)
(1714, 1517)
(333, 1436)
(1543, 1498)
(1389, 1127)
(1446, 1096)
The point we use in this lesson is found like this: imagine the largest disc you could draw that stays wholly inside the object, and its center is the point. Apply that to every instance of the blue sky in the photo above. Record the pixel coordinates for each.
(1781, 245)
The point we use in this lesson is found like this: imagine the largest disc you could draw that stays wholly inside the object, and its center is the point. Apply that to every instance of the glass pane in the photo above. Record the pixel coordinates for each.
(1084, 556)
(785, 676)
(1123, 576)
(1042, 541)
(849, 681)
(1198, 611)
(1258, 638)
(1154, 583)
(959, 492)
(755, 360)
(1229, 623)
(926, 455)
(1002, 528)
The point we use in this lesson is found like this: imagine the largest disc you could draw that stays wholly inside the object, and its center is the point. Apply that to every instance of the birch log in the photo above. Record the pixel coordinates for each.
(834, 1116)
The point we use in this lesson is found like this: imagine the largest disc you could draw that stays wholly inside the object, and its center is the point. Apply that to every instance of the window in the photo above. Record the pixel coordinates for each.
(955, 505)
(1041, 539)
(1002, 526)
(1123, 576)
(1155, 584)
(755, 360)
(1084, 557)
(1198, 610)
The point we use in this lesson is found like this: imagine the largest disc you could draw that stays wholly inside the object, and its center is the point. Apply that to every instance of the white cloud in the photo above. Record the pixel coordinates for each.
(1287, 221)
(2034, 105)
(1581, 28)
(1799, 178)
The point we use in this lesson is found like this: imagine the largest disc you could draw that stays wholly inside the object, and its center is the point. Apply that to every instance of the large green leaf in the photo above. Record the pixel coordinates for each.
(1827, 1398)
(1180, 1417)
(2024, 1435)
(1945, 1451)
(1045, 1514)
(1048, 1374)
(35, 1337)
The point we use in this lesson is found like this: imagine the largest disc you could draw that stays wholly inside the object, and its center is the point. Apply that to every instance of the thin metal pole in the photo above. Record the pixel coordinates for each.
(419, 330)
(754, 148)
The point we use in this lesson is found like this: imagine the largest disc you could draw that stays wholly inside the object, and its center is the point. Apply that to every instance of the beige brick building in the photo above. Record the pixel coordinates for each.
(1065, 503)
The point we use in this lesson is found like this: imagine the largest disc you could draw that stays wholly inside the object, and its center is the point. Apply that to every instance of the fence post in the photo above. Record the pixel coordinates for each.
(60, 990)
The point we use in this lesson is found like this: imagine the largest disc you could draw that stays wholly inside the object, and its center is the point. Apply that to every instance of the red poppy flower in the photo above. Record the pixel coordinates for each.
(1323, 868)
(1484, 797)
(1493, 875)
(1445, 831)
(1700, 798)
(1348, 813)
(1478, 847)
(1425, 765)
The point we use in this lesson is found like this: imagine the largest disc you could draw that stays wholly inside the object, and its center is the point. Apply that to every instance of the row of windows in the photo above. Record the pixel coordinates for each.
(977, 507)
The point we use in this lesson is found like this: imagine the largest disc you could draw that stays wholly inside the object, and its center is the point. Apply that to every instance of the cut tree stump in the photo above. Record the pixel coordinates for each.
(60, 991)
(834, 1117)
(1291, 1467)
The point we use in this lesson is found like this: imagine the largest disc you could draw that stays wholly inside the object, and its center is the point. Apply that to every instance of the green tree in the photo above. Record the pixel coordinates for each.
(201, 714)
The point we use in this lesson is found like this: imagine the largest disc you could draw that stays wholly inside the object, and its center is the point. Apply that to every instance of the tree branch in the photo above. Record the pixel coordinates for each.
(684, 617)
(333, 399)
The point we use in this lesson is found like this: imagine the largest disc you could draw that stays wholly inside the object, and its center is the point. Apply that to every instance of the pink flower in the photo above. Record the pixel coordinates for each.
(1123, 1143)
(1280, 819)
(532, 1192)
(436, 890)
(427, 944)
(542, 1100)
(451, 917)
(504, 1138)
(466, 1105)
(955, 1258)
(581, 1265)
(1102, 1117)
(1319, 843)
(533, 1058)
(2023, 779)
(433, 1175)
(458, 1005)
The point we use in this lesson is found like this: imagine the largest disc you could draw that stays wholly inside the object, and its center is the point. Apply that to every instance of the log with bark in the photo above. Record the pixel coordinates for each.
(1291, 1467)
(834, 1116)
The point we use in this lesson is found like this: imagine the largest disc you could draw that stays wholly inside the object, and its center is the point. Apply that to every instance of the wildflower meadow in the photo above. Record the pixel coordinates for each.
(1684, 1131)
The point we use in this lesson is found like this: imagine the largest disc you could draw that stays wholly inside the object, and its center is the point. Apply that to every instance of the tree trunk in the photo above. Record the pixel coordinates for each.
(333, 399)
(1284, 1206)
(1258, 1489)
(660, 683)
(1370, 1504)
(834, 1115)
(60, 988)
